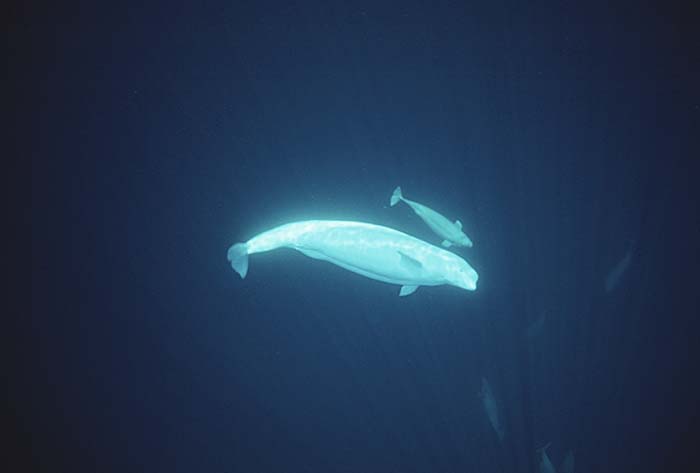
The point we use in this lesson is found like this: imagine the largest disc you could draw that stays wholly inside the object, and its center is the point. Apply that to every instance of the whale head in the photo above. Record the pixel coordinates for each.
(461, 274)
(464, 240)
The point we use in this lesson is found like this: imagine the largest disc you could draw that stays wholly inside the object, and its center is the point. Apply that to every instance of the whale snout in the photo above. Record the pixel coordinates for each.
(470, 284)
(465, 241)
(467, 279)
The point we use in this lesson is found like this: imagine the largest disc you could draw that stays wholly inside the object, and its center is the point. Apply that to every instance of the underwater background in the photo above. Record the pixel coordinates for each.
(563, 135)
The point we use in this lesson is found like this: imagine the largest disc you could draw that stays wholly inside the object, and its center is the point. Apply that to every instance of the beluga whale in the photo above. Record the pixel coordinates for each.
(491, 407)
(567, 466)
(372, 251)
(545, 464)
(615, 275)
(451, 232)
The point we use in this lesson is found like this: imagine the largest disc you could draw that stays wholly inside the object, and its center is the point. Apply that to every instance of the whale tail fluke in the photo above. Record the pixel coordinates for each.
(238, 256)
(544, 448)
(396, 196)
(501, 433)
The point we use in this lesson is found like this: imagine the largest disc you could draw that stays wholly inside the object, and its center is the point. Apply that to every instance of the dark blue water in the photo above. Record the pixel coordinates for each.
(161, 134)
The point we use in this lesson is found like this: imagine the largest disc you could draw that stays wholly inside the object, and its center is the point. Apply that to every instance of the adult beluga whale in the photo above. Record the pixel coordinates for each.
(451, 232)
(373, 251)
(491, 408)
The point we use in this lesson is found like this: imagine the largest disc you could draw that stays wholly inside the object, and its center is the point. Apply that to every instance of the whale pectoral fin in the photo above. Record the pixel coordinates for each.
(410, 263)
(446, 243)
(407, 290)
(396, 196)
(459, 224)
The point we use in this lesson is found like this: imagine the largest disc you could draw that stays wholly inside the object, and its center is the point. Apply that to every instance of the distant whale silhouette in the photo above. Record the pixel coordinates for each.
(491, 408)
(545, 463)
(615, 275)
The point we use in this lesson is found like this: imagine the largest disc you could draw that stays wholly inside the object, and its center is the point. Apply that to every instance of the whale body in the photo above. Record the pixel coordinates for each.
(491, 408)
(450, 231)
(567, 466)
(373, 251)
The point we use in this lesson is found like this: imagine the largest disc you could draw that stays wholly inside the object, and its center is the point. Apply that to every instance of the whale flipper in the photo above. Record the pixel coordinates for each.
(407, 290)
(396, 196)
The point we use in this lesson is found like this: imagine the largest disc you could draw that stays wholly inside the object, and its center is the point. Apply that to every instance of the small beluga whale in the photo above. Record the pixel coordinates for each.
(451, 232)
(615, 275)
(372, 251)
(545, 464)
(491, 408)
(535, 328)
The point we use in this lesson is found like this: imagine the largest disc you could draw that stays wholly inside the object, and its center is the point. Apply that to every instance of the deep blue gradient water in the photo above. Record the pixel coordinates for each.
(161, 134)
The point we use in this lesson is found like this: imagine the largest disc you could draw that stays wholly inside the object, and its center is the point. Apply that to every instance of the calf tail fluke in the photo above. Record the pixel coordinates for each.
(238, 256)
(396, 196)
